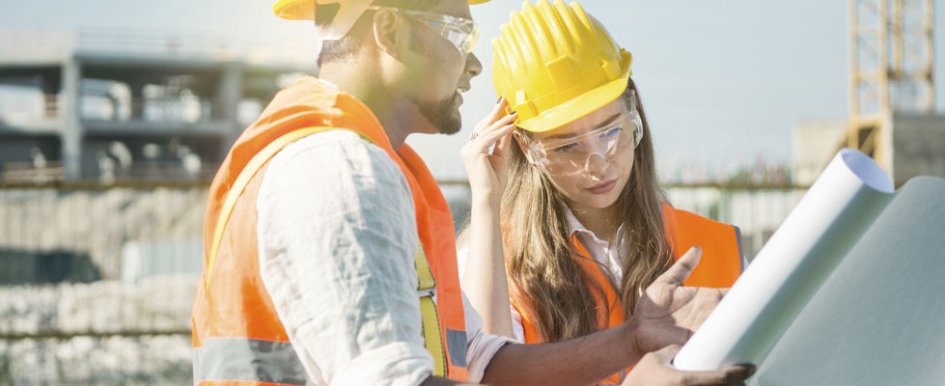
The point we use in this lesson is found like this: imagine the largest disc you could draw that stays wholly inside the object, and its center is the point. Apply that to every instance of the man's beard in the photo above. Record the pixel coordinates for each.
(440, 114)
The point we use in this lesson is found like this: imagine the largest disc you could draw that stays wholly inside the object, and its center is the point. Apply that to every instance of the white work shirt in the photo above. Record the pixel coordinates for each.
(337, 240)
(603, 252)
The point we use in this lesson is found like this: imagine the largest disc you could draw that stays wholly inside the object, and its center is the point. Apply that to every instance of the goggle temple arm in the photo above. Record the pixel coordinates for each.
(526, 146)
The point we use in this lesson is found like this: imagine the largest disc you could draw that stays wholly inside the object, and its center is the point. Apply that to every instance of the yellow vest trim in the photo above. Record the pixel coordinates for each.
(431, 324)
(243, 180)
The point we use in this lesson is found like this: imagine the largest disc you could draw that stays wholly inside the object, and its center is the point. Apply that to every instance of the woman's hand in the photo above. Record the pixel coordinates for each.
(668, 313)
(485, 154)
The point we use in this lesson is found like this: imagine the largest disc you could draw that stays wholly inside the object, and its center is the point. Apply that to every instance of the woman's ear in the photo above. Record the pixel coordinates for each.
(520, 140)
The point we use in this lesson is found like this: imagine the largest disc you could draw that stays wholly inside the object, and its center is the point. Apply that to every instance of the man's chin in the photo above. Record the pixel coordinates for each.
(442, 117)
(451, 125)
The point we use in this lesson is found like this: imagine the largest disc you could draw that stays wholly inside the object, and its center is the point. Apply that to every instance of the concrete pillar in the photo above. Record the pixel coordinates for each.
(229, 94)
(51, 85)
(137, 99)
(72, 132)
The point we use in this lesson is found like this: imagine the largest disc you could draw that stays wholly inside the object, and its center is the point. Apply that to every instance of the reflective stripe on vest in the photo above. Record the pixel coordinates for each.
(245, 361)
(455, 340)
(250, 360)
(426, 287)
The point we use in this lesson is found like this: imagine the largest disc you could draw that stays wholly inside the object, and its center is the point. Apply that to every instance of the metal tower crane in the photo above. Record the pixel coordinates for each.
(891, 62)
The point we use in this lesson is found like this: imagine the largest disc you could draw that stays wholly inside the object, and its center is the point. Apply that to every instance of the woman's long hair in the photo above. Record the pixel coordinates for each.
(539, 255)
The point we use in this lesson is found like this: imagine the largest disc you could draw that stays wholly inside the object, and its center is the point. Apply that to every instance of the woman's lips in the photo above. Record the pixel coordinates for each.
(603, 188)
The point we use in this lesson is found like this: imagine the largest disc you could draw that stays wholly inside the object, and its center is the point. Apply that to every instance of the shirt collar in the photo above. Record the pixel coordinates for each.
(576, 227)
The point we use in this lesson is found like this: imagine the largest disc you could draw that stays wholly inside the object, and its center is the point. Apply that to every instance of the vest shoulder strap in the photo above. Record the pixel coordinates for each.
(242, 181)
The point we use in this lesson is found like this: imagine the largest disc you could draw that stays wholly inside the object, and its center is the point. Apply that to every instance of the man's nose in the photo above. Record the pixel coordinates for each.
(473, 65)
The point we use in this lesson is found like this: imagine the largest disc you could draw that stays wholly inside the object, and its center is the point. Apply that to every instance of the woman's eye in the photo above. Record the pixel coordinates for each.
(612, 132)
(566, 148)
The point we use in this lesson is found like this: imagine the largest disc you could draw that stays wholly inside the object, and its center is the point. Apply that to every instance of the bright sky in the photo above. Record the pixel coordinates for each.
(722, 82)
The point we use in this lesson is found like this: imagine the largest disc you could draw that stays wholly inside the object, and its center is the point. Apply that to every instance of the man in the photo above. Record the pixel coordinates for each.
(324, 229)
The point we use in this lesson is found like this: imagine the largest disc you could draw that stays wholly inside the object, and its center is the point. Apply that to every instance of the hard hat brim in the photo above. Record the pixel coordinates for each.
(575, 108)
(294, 9)
(305, 9)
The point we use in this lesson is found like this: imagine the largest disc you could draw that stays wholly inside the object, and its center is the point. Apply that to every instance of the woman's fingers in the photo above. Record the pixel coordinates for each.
(491, 137)
(493, 133)
(501, 148)
(497, 111)
(485, 137)
(495, 124)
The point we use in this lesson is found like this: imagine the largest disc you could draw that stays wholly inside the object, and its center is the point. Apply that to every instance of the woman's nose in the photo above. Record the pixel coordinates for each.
(596, 166)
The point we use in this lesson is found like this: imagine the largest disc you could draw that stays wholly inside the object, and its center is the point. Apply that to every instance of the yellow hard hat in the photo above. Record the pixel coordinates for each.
(305, 9)
(334, 24)
(554, 63)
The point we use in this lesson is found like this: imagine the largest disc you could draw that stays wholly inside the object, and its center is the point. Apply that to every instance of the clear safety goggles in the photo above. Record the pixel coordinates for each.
(462, 33)
(574, 154)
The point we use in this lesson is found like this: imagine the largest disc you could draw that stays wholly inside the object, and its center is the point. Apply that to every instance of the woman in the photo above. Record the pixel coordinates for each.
(585, 228)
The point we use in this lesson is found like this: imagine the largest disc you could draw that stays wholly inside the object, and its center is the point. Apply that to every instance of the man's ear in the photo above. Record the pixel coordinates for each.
(390, 32)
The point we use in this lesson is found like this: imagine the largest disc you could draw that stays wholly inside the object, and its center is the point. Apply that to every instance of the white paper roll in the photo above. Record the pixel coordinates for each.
(819, 232)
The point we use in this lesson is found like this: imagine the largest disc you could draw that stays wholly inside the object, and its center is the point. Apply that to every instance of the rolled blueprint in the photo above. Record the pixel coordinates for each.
(786, 273)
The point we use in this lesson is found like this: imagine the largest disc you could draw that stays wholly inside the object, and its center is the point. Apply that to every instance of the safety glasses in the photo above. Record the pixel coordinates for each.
(574, 154)
(462, 33)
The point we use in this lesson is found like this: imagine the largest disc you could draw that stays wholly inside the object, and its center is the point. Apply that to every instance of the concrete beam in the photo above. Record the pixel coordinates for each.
(227, 102)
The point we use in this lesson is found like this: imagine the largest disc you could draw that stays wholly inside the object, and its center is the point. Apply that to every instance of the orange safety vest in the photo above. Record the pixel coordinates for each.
(238, 338)
(719, 267)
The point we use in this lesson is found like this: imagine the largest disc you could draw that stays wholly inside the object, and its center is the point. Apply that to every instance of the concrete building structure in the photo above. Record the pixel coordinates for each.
(814, 143)
(917, 146)
(111, 105)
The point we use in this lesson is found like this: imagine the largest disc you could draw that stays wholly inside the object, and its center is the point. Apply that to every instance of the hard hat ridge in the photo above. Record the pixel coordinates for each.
(555, 63)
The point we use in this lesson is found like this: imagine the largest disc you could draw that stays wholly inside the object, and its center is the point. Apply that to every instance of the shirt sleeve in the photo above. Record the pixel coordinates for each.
(480, 346)
(518, 330)
(337, 239)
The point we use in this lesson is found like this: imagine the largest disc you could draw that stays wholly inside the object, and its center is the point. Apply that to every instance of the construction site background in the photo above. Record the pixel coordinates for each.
(109, 138)
(96, 281)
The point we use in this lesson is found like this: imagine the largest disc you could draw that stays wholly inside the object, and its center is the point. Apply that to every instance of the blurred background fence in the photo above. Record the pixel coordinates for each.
(97, 280)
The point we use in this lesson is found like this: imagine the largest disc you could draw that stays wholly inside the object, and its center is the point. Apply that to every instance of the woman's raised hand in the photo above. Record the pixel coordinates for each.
(485, 154)
(484, 281)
